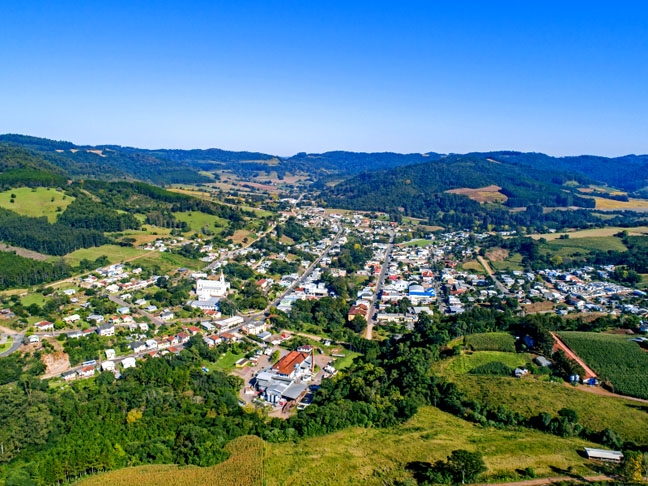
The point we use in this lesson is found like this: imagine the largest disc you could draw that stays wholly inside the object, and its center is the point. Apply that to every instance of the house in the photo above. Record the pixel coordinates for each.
(69, 375)
(72, 318)
(183, 337)
(75, 335)
(110, 354)
(167, 315)
(33, 339)
(209, 304)
(358, 310)
(43, 326)
(137, 346)
(86, 372)
(106, 330)
(128, 362)
(603, 455)
(254, 328)
(139, 302)
(123, 310)
(108, 366)
(212, 340)
(294, 365)
(208, 326)
(151, 344)
(97, 318)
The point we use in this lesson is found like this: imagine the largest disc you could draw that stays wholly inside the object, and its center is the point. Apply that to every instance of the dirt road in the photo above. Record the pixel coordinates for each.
(589, 373)
(541, 481)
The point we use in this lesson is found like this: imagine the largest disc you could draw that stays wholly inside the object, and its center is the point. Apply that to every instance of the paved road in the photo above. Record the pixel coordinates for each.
(379, 285)
(15, 345)
(489, 270)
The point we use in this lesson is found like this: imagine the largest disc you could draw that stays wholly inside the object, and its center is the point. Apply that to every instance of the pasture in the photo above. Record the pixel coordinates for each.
(36, 202)
(371, 456)
(114, 253)
(530, 396)
(197, 221)
(466, 362)
(593, 233)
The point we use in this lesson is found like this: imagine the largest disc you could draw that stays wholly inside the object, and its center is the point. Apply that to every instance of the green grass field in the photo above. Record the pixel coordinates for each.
(614, 358)
(35, 202)
(602, 243)
(33, 298)
(114, 254)
(513, 262)
(227, 362)
(491, 341)
(197, 221)
(418, 243)
(473, 266)
(4, 347)
(530, 396)
(380, 456)
(342, 363)
(168, 262)
(468, 361)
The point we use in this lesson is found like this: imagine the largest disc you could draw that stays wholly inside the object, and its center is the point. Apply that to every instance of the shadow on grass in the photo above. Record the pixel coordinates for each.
(419, 470)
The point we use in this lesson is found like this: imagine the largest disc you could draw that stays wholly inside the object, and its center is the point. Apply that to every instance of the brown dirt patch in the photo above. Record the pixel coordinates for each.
(56, 363)
(34, 255)
(538, 307)
(486, 194)
(497, 254)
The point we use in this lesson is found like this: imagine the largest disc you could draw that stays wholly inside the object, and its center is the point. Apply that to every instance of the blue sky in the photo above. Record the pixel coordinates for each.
(284, 77)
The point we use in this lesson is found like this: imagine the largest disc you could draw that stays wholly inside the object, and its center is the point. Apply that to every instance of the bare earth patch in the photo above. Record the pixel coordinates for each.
(481, 194)
(497, 254)
(34, 255)
(56, 363)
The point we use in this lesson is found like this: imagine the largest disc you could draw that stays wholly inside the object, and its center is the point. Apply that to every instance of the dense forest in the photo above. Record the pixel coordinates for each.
(84, 212)
(18, 271)
(39, 235)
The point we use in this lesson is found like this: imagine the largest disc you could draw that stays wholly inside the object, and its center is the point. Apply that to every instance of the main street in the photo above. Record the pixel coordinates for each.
(378, 289)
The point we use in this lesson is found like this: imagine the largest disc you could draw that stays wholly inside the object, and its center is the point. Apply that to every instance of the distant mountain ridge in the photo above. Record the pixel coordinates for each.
(167, 166)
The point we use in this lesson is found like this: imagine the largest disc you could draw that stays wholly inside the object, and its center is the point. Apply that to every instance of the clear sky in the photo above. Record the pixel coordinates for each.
(281, 77)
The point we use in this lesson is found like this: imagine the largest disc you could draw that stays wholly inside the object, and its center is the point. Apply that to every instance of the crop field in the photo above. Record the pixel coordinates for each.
(197, 221)
(35, 202)
(243, 468)
(491, 341)
(466, 362)
(530, 396)
(380, 456)
(604, 203)
(614, 358)
(114, 253)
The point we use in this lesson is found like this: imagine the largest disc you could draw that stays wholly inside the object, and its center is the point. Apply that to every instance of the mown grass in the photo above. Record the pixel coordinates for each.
(601, 243)
(33, 298)
(593, 233)
(466, 362)
(342, 363)
(114, 253)
(35, 202)
(530, 396)
(512, 263)
(197, 221)
(473, 266)
(243, 468)
(418, 243)
(380, 456)
(4, 347)
(227, 362)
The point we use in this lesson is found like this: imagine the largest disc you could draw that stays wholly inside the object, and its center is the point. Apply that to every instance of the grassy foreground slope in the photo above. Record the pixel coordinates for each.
(243, 468)
(380, 456)
(530, 397)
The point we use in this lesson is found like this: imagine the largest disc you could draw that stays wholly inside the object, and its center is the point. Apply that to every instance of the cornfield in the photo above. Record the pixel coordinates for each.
(491, 341)
(615, 358)
(243, 468)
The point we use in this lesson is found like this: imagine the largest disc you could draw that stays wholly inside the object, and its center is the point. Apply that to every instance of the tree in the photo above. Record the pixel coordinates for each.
(465, 466)
(631, 469)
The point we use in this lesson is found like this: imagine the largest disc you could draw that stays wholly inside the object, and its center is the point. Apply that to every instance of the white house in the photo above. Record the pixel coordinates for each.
(128, 362)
